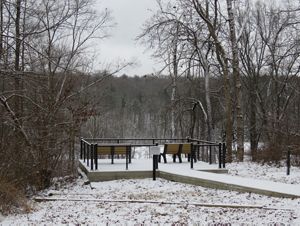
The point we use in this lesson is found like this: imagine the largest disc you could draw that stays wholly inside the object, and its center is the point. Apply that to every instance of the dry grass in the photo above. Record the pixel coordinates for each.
(12, 199)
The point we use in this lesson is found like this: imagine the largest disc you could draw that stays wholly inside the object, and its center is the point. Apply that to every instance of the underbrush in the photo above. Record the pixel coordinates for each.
(275, 154)
(12, 199)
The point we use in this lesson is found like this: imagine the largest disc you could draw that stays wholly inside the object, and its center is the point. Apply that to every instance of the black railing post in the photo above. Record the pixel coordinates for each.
(88, 147)
(154, 157)
(198, 151)
(127, 153)
(192, 156)
(92, 156)
(224, 154)
(210, 155)
(96, 156)
(220, 155)
(155, 153)
(112, 150)
(84, 151)
(288, 162)
(81, 148)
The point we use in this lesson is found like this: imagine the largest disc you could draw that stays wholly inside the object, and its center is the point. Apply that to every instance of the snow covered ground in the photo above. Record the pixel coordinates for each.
(98, 211)
(102, 203)
(265, 172)
(162, 202)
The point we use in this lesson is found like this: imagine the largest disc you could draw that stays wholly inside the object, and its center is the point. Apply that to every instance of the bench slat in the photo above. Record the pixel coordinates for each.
(186, 148)
(107, 150)
(171, 148)
(104, 150)
(174, 148)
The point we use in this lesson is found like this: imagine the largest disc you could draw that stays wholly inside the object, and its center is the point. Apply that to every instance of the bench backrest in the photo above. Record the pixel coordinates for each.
(178, 148)
(107, 150)
(186, 148)
(104, 150)
(171, 148)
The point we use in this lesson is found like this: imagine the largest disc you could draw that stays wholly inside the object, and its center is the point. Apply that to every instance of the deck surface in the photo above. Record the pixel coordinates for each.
(203, 174)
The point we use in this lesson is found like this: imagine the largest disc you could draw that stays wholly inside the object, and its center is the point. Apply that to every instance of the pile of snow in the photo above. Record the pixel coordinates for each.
(276, 211)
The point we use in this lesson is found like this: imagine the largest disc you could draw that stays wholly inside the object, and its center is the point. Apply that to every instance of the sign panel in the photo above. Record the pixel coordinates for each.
(154, 150)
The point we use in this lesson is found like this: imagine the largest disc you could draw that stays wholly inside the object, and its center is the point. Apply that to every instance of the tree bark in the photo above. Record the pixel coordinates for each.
(1, 31)
(174, 84)
(237, 82)
(223, 61)
(17, 57)
(252, 119)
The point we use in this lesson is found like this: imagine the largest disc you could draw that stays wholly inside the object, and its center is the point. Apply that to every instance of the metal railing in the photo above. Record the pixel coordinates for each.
(205, 151)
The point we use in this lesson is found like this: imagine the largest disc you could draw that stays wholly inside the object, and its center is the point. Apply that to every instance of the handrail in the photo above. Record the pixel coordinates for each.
(202, 141)
(88, 147)
(85, 140)
(137, 139)
(207, 145)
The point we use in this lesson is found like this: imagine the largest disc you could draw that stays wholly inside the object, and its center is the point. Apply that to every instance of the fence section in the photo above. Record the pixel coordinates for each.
(206, 151)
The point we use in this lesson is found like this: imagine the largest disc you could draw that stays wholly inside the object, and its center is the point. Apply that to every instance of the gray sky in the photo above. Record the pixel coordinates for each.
(129, 16)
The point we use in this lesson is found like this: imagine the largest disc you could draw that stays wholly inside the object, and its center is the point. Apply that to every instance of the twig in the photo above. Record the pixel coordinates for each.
(212, 205)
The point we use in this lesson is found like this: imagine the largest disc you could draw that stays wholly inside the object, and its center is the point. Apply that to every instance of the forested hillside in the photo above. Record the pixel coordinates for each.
(230, 73)
(140, 107)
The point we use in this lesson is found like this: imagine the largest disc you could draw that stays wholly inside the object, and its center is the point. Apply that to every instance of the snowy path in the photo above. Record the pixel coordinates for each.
(260, 186)
(250, 184)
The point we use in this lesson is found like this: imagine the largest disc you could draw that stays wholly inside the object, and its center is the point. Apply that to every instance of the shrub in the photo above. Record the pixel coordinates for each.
(12, 199)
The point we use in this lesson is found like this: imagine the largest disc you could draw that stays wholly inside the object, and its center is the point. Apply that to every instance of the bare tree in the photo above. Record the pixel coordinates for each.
(50, 39)
(269, 56)
(237, 81)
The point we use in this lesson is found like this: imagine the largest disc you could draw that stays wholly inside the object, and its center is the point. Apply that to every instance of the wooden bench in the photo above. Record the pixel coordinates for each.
(176, 149)
(115, 149)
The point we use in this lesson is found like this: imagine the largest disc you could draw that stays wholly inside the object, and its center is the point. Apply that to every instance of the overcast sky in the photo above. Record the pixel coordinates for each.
(129, 16)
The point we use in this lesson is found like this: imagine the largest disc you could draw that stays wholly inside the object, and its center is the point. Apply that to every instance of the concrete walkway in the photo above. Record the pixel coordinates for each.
(182, 173)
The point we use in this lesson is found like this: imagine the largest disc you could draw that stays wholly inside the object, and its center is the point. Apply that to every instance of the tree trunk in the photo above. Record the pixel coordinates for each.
(237, 82)
(252, 120)
(210, 130)
(1, 31)
(174, 84)
(2, 63)
(17, 56)
(173, 113)
(223, 61)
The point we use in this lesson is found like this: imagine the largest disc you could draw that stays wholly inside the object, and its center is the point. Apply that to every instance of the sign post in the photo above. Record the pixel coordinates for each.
(155, 152)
